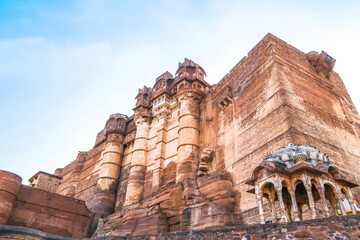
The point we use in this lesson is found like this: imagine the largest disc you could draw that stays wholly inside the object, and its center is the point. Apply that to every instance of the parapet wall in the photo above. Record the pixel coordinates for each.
(49, 212)
(346, 227)
(39, 209)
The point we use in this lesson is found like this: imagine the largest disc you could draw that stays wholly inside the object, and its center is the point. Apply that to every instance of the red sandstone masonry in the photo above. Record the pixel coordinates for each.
(328, 228)
(273, 96)
(49, 212)
(9, 187)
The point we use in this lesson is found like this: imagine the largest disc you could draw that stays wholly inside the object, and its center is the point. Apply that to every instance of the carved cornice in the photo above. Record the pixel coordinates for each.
(162, 110)
(141, 119)
(190, 94)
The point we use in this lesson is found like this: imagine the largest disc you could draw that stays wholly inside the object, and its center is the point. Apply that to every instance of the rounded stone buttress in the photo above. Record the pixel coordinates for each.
(135, 187)
(189, 133)
(9, 186)
(105, 193)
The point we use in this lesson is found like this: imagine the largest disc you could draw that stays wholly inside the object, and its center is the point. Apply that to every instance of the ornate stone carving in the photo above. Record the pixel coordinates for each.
(141, 120)
(293, 190)
(225, 97)
(162, 110)
(323, 63)
(192, 94)
(205, 161)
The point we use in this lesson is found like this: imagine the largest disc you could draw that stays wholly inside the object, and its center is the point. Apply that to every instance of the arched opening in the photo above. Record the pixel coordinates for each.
(330, 197)
(267, 208)
(301, 199)
(270, 205)
(349, 204)
(287, 200)
(346, 201)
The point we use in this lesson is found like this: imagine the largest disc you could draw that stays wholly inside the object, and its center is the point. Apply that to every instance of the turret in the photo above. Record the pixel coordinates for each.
(163, 95)
(9, 186)
(143, 97)
(190, 85)
(190, 75)
(162, 87)
(163, 84)
(143, 103)
(110, 162)
(115, 126)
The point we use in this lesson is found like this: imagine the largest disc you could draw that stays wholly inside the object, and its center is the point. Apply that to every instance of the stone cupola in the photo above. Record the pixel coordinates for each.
(298, 176)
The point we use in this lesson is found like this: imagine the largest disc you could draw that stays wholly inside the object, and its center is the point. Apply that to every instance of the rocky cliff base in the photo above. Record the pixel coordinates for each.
(338, 227)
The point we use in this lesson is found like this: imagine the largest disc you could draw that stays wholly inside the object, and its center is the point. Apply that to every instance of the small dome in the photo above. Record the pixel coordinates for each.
(294, 154)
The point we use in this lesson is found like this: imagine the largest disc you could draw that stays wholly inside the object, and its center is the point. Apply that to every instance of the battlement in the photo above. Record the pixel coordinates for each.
(190, 71)
(118, 115)
(166, 75)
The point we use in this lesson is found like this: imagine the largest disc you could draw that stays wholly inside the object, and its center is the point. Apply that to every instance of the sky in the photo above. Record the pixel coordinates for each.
(65, 66)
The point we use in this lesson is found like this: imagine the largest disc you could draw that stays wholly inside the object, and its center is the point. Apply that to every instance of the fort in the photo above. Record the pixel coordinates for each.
(271, 150)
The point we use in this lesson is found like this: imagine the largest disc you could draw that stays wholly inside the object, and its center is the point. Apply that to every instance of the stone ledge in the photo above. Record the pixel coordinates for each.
(339, 227)
(16, 232)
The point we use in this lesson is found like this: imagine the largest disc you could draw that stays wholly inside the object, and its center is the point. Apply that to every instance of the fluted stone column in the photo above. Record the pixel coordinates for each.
(282, 205)
(189, 132)
(311, 199)
(259, 196)
(9, 186)
(273, 209)
(294, 207)
(323, 199)
(135, 187)
(110, 163)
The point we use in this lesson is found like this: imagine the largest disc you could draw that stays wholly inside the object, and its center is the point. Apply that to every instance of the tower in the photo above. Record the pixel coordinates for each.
(110, 162)
(184, 158)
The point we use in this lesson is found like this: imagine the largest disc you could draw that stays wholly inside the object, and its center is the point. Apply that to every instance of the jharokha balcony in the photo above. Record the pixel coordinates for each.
(297, 178)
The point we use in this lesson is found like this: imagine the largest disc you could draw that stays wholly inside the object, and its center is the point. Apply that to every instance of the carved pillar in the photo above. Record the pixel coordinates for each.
(294, 207)
(339, 198)
(273, 209)
(259, 196)
(160, 149)
(135, 185)
(278, 189)
(189, 132)
(308, 187)
(105, 192)
(351, 200)
(334, 204)
(323, 199)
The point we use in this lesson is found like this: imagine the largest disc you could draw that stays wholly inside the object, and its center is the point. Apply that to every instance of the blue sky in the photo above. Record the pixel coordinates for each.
(65, 66)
